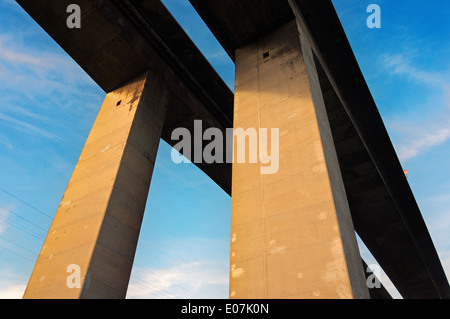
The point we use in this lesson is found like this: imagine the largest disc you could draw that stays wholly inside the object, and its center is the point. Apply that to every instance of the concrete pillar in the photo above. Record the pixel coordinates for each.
(95, 231)
(292, 235)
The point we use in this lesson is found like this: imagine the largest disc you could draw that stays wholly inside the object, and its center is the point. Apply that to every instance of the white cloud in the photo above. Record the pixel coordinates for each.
(20, 62)
(49, 74)
(194, 280)
(12, 291)
(445, 261)
(187, 267)
(44, 90)
(400, 64)
(12, 283)
(438, 223)
(18, 58)
(421, 139)
(418, 135)
(27, 127)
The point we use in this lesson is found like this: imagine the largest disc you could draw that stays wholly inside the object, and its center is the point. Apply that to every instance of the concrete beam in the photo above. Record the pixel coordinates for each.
(97, 224)
(292, 232)
(119, 40)
(251, 19)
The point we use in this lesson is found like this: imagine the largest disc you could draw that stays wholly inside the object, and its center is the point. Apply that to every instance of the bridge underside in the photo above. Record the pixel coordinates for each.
(120, 40)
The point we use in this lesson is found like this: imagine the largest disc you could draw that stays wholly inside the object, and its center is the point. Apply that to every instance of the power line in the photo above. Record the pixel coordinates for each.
(152, 285)
(17, 254)
(154, 274)
(22, 228)
(17, 215)
(24, 202)
(144, 288)
(15, 244)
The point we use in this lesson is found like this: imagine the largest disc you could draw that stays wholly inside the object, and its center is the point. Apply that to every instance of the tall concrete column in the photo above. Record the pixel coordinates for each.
(93, 237)
(292, 235)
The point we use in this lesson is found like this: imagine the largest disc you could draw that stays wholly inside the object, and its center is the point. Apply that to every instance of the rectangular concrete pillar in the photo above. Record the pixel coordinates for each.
(90, 247)
(291, 232)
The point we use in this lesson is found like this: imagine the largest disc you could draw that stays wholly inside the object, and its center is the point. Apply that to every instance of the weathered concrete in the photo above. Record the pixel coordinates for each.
(292, 232)
(97, 223)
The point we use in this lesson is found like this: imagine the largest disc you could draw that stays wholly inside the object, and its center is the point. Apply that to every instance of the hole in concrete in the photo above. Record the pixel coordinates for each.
(266, 55)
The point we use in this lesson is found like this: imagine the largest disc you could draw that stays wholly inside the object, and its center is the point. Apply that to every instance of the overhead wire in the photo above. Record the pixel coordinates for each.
(17, 245)
(22, 228)
(17, 254)
(23, 218)
(24, 202)
(160, 293)
(158, 276)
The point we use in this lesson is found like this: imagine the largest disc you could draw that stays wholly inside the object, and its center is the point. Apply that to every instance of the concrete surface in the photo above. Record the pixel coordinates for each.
(292, 232)
(97, 223)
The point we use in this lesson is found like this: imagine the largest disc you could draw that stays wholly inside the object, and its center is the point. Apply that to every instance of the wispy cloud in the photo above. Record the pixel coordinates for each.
(43, 90)
(15, 109)
(27, 127)
(5, 141)
(201, 279)
(11, 290)
(421, 138)
(442, 199)
(16, 58)
(181, 268)
(418, 135)
(3, 220)
(438, 222)
(17, 55)
(445, 260)
(401, 64)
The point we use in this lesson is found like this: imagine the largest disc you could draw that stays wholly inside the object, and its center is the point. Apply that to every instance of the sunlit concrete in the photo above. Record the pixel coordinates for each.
(96, 227)
(292, 232)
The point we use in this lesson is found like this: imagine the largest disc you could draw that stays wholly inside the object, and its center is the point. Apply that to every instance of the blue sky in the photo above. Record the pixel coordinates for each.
(49, 105)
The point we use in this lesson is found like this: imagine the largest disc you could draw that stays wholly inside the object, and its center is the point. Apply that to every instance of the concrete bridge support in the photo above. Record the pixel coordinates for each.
(292, 232)
(95, 230)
